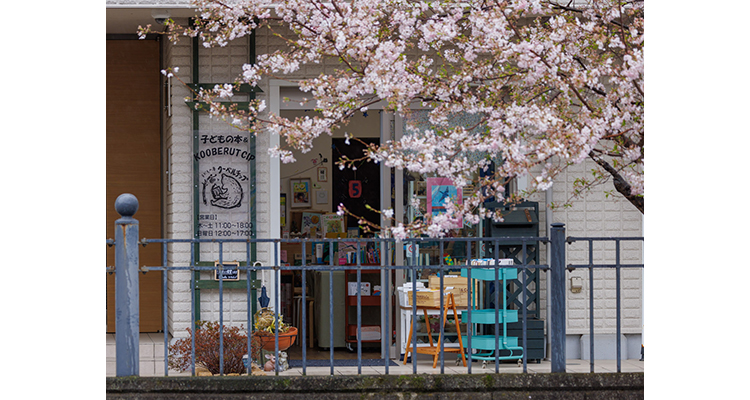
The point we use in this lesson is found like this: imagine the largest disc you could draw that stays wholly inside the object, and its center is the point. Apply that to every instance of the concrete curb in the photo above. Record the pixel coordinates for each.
(481, 386)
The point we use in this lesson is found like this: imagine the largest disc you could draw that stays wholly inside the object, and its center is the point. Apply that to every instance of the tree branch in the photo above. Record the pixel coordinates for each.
(621, 185)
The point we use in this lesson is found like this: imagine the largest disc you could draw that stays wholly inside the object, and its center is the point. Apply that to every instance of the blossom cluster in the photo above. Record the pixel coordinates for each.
(552, 83)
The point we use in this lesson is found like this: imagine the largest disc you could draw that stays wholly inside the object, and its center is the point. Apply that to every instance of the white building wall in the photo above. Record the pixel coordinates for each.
(597, 214)
(179, 200)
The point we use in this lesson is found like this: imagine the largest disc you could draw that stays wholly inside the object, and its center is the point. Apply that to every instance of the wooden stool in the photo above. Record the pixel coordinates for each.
(434, 348)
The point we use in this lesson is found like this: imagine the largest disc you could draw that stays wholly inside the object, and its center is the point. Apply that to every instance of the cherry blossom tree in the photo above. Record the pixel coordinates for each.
(550, 84)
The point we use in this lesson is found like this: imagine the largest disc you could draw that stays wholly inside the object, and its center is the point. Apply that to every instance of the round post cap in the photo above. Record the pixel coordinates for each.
(126, 205)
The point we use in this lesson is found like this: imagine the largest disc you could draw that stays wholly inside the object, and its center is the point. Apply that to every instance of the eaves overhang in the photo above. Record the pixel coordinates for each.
(124, 17)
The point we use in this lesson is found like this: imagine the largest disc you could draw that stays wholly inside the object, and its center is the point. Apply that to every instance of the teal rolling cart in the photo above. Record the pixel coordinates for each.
(485, 344)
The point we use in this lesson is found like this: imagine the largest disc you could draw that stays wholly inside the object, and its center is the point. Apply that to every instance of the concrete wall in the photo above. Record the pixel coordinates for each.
(477, 386)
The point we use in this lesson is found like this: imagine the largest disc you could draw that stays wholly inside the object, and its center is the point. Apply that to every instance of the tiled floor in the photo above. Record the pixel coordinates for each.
(151, 352)
(152, 363)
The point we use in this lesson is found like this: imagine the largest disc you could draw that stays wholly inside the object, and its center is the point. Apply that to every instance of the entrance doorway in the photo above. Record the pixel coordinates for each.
(356, 188)
(134, 162)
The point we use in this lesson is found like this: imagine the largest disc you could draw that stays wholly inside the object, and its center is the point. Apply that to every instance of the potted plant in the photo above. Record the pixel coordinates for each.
(265, 330)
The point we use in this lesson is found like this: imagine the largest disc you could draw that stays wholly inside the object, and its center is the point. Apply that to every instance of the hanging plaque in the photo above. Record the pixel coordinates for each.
(230, 271)
(224, 189)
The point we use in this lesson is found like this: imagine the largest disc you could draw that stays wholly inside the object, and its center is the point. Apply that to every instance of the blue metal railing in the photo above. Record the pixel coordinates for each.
(618, 266)
(126, 270)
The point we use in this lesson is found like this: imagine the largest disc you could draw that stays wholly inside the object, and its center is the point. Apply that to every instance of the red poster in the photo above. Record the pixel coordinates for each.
(355, 189)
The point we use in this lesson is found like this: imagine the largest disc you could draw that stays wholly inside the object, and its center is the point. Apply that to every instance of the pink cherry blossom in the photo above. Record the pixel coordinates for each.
(551, 84)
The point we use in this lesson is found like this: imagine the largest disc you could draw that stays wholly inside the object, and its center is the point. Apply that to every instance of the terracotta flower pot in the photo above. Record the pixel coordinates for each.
(286, 340)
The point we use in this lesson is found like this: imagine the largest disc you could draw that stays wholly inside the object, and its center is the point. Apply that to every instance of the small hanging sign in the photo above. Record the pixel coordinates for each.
(230, 272)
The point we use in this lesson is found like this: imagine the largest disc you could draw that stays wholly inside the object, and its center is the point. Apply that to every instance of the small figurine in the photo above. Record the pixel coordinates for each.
(283, 361)
(270, 364)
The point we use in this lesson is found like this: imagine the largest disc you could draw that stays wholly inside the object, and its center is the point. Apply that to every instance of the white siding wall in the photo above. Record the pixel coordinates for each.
(179, 208)
(597, 215)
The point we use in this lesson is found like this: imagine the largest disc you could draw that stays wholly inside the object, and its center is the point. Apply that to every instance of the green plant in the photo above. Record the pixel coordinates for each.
(265, 322)
(207, 349)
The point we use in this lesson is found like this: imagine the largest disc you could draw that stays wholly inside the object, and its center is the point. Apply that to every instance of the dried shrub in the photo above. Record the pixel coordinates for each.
(207, 349)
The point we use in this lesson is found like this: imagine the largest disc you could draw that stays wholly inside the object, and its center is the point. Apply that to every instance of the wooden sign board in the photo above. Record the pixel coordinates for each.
(230, 272)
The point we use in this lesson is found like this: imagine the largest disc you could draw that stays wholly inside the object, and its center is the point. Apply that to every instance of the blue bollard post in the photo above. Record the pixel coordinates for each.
(126, 286)
(557, 297)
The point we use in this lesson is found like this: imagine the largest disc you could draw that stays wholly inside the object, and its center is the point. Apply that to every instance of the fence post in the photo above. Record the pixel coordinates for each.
(557, 297)
(126, 286)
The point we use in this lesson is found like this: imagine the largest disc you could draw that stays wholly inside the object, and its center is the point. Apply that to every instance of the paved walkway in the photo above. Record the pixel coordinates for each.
(152, 363)
(425, 367)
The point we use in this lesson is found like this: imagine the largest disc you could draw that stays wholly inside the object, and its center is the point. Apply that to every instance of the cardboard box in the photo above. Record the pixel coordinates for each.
(431, 298)
(457, 285)
(425, 298)
(448, 280)
(460, 295)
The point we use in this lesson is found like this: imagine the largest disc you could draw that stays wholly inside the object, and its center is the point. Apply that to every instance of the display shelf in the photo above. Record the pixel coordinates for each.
(366, 300)
(370, 305)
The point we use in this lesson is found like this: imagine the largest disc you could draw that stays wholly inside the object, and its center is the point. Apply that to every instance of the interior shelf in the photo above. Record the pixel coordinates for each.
(370, 307)
(366, 301)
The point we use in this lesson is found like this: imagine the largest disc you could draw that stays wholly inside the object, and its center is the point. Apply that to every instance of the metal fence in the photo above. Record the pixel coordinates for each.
(126, 270)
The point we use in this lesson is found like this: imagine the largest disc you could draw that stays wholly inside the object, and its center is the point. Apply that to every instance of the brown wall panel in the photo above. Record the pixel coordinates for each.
(134, 161)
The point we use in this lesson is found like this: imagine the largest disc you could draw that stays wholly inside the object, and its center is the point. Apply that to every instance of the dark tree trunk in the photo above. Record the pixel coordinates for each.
(621, 185)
